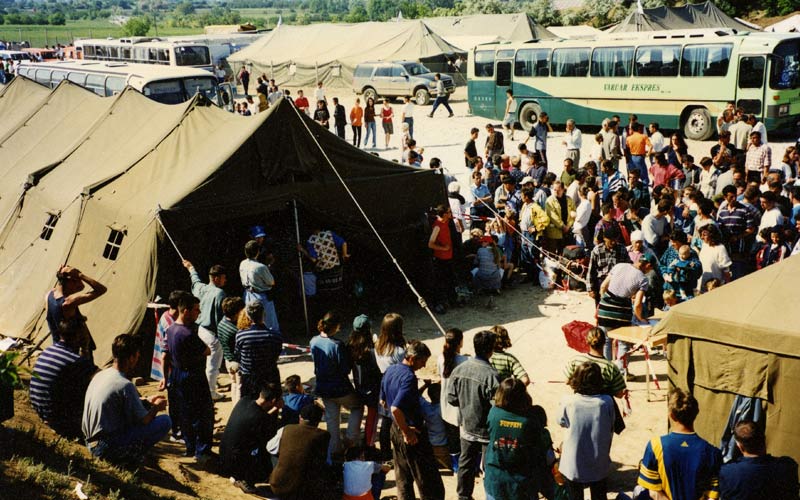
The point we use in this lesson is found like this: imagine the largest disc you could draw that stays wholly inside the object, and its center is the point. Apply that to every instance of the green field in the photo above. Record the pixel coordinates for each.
(39, 36)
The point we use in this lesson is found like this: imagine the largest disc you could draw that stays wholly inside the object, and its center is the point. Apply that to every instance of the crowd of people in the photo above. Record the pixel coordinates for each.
(362, 119)
(656, 235)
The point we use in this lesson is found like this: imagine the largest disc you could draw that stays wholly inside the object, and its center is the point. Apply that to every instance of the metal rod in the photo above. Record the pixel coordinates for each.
(300, 260)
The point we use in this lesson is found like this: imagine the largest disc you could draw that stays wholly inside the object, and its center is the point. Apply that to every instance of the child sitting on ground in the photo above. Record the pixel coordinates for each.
(683, 273)
(294, 399)
(437, 433)
(363, 480)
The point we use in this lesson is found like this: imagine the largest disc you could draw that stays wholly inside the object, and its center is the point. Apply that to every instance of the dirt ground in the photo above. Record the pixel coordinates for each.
(532, 316)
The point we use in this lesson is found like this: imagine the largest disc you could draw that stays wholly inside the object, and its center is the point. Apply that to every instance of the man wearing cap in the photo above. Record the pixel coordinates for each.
(258, 234)
(504, 192)
(258, 283)
(211, 296)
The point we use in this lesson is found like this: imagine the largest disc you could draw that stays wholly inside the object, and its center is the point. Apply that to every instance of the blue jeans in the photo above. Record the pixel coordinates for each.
(133, 444)
(196, 409)
(638, 164)
(370, 126)
(442, 101)
(410, 122)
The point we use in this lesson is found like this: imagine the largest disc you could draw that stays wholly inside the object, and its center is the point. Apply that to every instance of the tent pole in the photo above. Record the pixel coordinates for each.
(300, 260)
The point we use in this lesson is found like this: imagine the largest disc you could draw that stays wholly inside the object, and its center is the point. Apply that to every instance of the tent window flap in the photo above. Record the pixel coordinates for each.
(111, 250)
(49, 226)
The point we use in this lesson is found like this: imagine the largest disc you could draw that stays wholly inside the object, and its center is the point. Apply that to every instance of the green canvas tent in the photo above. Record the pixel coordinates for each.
(198, 167)
(299, 56)
(743, 339)
(689, 16)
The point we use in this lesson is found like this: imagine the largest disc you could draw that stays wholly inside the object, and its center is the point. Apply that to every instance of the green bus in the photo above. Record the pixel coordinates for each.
(680, 79)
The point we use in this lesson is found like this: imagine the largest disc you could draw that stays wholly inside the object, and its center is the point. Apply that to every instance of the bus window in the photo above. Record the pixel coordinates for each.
(571, 62)
(505, 54)
(163, 56)
(657, 61)
(785, 65)
(78, 78)
(114, 85)
(532, 62)
(97, 84)
(125, 53)
(43, 76)
(206, 86)
(88, 52)
(165, 91)
(484, 63)
(152, 56)
(140, 54)
(113, 53)
(189, 55)
(706, 60)
(99, 52)
(612, 61)
(56, 77)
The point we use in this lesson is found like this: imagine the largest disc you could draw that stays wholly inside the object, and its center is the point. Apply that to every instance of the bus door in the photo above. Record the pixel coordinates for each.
(751, 84)
(502, 74)
(224, 97)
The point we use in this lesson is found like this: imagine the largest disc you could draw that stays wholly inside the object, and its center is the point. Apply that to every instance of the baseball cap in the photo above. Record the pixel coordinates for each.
(258, 232)
(637, 236)
(527, 179)
(361, 322)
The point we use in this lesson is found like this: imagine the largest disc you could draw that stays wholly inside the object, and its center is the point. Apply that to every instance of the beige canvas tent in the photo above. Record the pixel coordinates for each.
(303, 55)
(465, 32)
(742, 339)
(94, 204)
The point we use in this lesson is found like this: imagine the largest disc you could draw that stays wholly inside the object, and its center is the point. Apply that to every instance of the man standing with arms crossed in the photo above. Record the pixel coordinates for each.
(211, 296)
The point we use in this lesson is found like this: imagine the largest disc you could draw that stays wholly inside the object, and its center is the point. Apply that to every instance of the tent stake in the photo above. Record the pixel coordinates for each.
(300, 259)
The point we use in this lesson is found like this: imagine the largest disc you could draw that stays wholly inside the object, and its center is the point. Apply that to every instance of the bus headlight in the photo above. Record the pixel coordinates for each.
(783, 110)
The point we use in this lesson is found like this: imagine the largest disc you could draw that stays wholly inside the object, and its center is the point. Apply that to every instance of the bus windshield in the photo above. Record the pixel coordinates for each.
(179, 90)
(189, 55)
(785, 66)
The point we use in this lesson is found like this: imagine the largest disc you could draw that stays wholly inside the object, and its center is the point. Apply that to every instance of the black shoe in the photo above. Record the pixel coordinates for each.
(246, 487)
(451, 115)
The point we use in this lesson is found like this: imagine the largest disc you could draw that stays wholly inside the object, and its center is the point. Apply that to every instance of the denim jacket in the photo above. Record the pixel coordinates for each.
(471, 388)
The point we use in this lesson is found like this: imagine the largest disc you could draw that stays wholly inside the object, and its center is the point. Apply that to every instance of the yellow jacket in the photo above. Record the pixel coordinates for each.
(555, 230)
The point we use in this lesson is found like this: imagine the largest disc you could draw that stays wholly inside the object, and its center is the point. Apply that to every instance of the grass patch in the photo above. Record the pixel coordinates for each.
(39, 36)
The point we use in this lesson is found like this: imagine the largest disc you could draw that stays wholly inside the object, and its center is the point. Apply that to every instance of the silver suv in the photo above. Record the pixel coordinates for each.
(397, 79)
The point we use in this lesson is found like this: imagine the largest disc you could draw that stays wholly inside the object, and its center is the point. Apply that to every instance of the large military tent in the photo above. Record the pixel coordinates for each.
(95, 204)
(742, 339)
(303, 55)
(689, 16)
(465, 32)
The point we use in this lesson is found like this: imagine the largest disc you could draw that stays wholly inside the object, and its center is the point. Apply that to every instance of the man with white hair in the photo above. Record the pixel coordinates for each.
(456, 205)
(572, 141)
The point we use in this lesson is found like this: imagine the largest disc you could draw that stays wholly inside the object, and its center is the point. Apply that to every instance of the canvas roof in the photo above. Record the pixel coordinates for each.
(50, 133)
(467, 31)
(201, 165)
(755, 312)
(788, 25)
(689, 16)
(321, 44)
(18, 100)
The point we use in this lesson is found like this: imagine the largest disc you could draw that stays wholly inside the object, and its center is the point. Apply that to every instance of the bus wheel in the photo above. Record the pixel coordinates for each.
(698, 125)
(529, 115)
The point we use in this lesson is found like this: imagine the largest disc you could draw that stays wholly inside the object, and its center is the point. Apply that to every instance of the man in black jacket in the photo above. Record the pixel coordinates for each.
(339, 118)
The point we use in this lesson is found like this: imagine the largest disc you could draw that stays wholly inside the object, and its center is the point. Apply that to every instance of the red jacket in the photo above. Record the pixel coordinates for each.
(662, 176)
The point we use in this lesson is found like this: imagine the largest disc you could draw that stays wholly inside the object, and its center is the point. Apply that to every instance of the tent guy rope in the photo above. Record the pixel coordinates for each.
(161, 223)
(420, 299)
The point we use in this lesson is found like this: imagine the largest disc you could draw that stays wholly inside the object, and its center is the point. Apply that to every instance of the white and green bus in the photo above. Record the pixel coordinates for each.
(680, 79)
(164, 84)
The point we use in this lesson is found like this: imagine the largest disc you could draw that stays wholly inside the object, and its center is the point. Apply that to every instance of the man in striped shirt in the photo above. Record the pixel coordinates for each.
(738, 224)
(58, 390)
(257, 350)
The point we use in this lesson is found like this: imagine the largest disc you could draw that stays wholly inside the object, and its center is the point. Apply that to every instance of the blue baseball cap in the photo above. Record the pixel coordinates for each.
(258, 232)
(361, 322)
